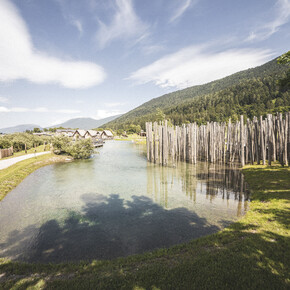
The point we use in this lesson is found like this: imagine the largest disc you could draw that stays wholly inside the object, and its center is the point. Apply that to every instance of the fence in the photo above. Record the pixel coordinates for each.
(247, 142)
(6, 152)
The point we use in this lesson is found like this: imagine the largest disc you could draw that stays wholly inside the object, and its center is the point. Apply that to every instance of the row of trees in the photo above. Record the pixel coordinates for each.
(252, 92)
(79, 149)
(20, 140)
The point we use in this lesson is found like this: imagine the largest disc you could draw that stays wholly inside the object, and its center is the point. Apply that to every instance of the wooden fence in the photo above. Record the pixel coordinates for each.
(6, 152)
(245, 142)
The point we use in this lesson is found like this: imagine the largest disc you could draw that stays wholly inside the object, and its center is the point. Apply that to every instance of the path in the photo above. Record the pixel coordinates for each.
(8, 162)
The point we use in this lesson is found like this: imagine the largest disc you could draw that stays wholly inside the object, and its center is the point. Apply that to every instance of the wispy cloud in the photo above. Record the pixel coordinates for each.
(195, 66)
(282, 16)
(78, 24)
(37, 110)
(181, 9)
(124, 25)
(101, 114)
(117, 104)
(4, 100)
(20, 60)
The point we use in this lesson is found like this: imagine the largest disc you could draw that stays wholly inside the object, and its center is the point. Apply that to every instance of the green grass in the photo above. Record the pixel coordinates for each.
(253, 253)
(10, 177)
(32, 150)
(134, 138)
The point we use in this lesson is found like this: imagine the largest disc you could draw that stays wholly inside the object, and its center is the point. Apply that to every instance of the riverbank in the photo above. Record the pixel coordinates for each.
(10, 177)
(253, 253)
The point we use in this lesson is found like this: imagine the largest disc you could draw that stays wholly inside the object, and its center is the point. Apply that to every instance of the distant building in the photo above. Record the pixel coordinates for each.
(93, 134)
(107, 134)
(142, 133)
(65, 132)
(79, 134)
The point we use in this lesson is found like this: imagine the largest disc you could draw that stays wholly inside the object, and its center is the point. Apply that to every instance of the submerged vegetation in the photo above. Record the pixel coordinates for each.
(13, 175)
(252, 253)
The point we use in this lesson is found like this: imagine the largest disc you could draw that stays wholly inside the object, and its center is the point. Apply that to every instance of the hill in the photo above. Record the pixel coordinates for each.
(19, 128)
(250, 92)
(85, 123)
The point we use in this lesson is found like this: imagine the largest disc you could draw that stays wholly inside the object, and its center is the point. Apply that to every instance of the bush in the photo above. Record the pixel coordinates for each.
(79, 149)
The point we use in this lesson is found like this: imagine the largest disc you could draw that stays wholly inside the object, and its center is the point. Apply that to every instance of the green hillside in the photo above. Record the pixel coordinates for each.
(251, 92)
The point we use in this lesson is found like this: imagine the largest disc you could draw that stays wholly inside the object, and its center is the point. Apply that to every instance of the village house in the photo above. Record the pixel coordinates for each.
(64, 132)
(93, 134)
(79, 134)
(106, 134)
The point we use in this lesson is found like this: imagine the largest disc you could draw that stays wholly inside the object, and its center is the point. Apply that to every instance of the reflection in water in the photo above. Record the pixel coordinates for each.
(116, 204)
(209, 181)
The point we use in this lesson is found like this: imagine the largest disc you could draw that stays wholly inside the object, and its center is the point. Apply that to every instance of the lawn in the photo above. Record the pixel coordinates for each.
(253, 253)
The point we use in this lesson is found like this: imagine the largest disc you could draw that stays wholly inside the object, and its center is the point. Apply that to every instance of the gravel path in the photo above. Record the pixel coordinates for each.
(8, 162)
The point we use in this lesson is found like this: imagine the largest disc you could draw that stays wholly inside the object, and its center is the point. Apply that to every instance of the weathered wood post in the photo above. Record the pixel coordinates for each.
(262, 145)
(242, 154)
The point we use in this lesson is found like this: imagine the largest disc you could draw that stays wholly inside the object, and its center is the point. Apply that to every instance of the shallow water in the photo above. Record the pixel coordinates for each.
(116, 204)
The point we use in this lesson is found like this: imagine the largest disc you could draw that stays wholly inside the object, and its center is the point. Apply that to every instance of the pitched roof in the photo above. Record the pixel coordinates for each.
(93, 133)
(80, 132)
(108, 133)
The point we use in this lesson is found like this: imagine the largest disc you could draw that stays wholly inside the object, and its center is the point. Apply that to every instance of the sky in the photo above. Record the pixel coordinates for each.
(63, 59)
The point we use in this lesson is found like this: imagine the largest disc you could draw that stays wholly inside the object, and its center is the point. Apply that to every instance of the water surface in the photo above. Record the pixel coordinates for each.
(116, 204)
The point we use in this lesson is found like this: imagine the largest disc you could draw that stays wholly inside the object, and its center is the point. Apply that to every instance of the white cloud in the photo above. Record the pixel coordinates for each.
(180, 10)
(266, 30)
(117, 104)
(20, 60)
(77, 23)
(37, 110)
(101, 114)
(194, 66)
(124, 25)
(4, 100)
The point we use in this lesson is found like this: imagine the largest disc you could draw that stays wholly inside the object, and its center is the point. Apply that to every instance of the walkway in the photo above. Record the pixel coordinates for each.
(8, 162)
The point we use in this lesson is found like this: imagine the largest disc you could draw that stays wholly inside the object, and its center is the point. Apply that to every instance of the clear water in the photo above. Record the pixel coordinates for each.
(116, 204)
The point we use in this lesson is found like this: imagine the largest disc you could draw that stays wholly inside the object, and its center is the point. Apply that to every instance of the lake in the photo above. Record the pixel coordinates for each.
(116, 204)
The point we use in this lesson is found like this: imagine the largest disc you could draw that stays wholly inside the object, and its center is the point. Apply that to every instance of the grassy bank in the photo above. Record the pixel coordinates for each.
(251, 254)
(13, 175)
(133, 138)
(32, 150)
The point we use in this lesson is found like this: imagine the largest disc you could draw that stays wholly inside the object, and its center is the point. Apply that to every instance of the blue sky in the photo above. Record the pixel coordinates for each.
(62, 59)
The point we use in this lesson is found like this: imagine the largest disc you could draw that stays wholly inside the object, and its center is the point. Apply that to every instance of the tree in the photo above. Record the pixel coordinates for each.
(285, 82)
(36, 130)
(284, 58)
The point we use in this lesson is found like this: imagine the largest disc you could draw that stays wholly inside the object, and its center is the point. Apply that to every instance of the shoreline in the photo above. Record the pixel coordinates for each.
(251, 253)
(13, 175)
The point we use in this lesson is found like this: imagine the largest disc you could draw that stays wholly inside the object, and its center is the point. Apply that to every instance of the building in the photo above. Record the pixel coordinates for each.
(93, 134)
(64, 132)
(107, 134)
(79, 134)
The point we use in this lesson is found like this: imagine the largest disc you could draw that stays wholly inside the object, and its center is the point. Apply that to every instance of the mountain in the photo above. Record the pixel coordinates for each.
(250, 92)
(19, 128)
(85, 123)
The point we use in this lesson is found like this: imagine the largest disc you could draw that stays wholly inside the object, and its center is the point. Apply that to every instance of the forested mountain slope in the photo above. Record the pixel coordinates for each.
(251, 92)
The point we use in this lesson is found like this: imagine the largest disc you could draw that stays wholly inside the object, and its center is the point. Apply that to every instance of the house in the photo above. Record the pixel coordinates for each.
(93, 134)
(142, 133)
(78, 134)
(107, 134)
(64, 132)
